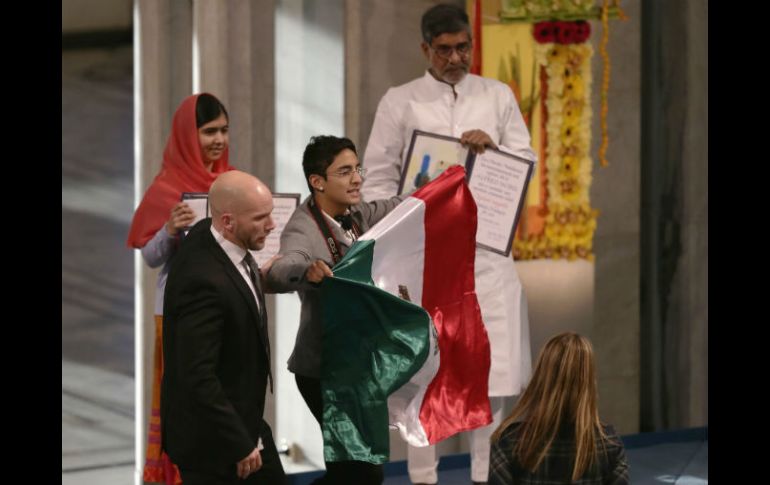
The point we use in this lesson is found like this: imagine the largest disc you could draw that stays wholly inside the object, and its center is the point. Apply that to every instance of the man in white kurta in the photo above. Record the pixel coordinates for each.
(482, 113)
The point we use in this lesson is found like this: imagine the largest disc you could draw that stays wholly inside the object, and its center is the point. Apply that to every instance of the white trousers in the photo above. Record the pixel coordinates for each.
(422, 462)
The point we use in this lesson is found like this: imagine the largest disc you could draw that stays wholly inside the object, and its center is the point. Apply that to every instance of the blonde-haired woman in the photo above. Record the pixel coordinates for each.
(553, 434)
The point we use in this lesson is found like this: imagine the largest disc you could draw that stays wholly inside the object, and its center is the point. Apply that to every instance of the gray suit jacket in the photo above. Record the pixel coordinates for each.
(301, 244)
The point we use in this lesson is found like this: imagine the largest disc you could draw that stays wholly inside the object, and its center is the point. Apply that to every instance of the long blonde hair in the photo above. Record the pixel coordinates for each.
(562, 390)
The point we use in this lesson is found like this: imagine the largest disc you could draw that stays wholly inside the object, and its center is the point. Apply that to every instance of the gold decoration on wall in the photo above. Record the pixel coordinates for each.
(540, 48)
(570, 221)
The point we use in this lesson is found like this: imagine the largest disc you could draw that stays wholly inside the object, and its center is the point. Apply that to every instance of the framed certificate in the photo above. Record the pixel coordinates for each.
(498, 182)
(284, 206)
(430, 154)
(199, 203)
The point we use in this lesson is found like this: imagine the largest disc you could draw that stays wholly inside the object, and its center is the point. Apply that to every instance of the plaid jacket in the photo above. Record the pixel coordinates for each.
(556, 467)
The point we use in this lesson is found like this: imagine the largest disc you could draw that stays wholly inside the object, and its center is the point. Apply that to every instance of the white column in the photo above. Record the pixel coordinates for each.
(150, 121)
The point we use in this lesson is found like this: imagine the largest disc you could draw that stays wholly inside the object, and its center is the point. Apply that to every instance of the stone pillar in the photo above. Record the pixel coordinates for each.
(252, 86)
(161, 80)
(616, 192)
(694, 286)
(210, 49)
(675, 216)
(233, 58)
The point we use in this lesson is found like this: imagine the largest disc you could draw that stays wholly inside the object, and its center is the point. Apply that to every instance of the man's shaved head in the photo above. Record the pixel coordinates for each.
(229, 191)
(238, 200)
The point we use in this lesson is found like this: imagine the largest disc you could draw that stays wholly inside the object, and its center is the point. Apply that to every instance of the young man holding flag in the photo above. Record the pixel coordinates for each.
(316, 237)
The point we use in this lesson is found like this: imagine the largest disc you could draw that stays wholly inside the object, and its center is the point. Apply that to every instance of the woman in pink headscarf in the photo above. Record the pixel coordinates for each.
(196, 153)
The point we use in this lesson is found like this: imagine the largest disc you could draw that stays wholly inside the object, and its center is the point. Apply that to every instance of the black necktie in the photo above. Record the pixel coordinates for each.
(254, 275)
(345, 221)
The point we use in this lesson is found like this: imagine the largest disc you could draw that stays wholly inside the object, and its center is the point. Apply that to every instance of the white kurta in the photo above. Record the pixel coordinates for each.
(429, 105)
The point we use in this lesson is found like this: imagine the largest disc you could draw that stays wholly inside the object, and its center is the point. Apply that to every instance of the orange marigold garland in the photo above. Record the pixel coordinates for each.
(605, 83)
(605, 13)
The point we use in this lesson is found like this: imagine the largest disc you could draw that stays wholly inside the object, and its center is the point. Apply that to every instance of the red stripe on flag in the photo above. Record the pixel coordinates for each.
(457, 398)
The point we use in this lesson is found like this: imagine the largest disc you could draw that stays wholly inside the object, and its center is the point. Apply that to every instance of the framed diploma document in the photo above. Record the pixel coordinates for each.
(199, 203)
(430, 154)
(497, 180)
(284, 206)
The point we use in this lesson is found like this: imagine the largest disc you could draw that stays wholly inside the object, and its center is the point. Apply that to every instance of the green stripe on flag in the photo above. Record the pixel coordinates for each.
(373, 343)
(357, 263)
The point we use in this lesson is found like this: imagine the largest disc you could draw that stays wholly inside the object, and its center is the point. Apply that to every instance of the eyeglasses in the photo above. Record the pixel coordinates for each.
(347, 172)
(445, 51)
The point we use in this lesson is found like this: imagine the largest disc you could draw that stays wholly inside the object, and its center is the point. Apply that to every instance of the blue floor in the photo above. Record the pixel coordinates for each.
(672, 457)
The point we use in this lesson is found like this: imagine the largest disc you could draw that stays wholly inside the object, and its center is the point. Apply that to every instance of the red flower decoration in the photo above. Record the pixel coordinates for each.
(562, 32)
(582, 31)
(544, 32)
(566, 32)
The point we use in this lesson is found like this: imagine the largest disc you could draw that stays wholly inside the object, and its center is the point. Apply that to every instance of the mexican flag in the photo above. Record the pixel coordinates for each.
(403, 340)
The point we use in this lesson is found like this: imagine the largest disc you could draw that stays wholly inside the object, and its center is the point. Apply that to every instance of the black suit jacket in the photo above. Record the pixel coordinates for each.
(215, 357)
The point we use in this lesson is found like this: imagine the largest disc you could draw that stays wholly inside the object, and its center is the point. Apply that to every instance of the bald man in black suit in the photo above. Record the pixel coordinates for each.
(216, 349)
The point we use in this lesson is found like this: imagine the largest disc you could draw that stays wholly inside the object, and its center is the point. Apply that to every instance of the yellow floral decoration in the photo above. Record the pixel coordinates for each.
(571, 221)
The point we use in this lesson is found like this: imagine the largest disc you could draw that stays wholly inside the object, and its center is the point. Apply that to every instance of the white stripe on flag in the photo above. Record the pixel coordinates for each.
(399, 251)
(399, 260)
